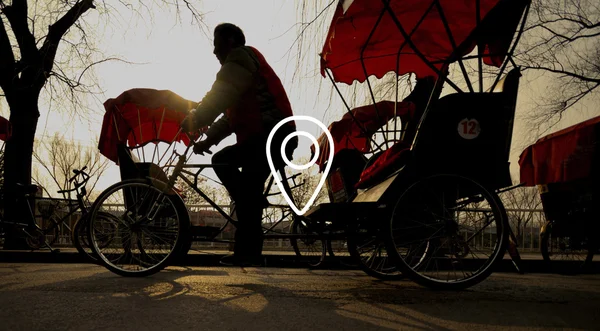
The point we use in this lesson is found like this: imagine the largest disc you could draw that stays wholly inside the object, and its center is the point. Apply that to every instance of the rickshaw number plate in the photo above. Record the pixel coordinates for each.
(469, 128)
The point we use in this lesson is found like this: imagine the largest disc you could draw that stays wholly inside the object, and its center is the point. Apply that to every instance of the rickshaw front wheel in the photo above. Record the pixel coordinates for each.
(564, 253)
(146, 232)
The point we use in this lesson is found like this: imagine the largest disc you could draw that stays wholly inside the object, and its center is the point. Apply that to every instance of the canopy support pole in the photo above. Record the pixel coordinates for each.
(479, 46)
(437, 90)
(162, 118)
(362, 62)
(398, 70)
(358, 123)
(141, 136)
(453, 43)
(514, 46)
(386, 6)
(115, 121)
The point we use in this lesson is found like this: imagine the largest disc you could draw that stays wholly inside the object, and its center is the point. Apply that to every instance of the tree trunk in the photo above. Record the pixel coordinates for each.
(18, 154)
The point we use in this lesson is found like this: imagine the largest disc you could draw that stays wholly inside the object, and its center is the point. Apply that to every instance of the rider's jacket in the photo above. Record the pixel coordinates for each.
(249, 93)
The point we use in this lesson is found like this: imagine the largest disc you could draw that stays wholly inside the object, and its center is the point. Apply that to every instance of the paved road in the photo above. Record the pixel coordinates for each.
(86, 297)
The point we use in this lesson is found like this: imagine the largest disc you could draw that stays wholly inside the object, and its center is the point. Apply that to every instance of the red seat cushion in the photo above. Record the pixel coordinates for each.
(387, 162)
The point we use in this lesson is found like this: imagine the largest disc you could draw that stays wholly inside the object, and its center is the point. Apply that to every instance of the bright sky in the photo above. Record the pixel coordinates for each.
(179, 58)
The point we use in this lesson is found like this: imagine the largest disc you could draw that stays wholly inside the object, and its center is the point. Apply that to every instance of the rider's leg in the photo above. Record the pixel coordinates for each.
(249, 234)
(246, 189)
(255, 171)
(230, 175)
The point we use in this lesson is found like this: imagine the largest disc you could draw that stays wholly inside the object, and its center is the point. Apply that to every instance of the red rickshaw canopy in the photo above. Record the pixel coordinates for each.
(347, 134)
(350, 30)
(139, 116)
(5, 129)
(563, 156)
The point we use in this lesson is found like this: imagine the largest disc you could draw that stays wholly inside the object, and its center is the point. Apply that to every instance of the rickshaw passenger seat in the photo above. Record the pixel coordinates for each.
(390, 160)
(485, 155)
(471, 134)
(509, 87)
(131, 168)
(127, 164)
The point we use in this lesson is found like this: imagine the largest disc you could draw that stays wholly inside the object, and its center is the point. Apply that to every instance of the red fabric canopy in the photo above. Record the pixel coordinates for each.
(347, 134)
(140, 116)
(562, 156)
(5, 129)
(350, 30)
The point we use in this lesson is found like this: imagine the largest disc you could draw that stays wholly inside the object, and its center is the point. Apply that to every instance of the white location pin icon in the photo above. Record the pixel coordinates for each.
(301, 167)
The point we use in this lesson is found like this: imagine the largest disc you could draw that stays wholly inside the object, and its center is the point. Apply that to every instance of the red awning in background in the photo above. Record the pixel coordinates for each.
(350, 30)
(563, 156)
(139, 116)
(347, 134)
(5, 129)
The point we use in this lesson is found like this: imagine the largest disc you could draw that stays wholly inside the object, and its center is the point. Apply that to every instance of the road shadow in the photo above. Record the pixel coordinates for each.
(279, 299)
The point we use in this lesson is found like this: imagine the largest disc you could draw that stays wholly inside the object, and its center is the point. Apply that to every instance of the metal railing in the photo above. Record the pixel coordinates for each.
(528, 233)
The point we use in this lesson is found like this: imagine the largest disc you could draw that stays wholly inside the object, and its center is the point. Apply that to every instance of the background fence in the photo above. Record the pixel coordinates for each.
(525, 223)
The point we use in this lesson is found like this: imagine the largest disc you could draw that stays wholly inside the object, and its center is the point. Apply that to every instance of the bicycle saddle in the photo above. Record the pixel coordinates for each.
(26, 188)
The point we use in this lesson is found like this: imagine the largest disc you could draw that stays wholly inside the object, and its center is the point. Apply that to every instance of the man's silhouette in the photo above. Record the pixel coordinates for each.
(251, 97)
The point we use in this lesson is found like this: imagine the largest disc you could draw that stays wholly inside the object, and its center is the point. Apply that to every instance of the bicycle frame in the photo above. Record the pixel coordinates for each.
(181, 170)
(25, 227)
(73, 206)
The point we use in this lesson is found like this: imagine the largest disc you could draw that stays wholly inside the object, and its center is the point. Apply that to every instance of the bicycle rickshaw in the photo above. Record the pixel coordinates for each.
(141, 118)
(430, 201)
(564, 166)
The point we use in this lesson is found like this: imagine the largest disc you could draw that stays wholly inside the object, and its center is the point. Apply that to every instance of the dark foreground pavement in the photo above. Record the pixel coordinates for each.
(87, 297)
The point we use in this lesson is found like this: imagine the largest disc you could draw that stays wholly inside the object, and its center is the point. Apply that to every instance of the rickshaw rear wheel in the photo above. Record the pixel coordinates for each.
(566, 254)
(447, 232)
(147, 230)
(338, 251)
(311, 250)
(367, 247)
(81, 239)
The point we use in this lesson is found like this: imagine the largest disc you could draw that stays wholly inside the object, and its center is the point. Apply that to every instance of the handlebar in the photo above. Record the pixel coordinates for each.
(77, 173)
(80, 172)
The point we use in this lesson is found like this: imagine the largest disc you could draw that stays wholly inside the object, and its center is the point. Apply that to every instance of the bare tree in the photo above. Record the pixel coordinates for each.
(47, 47)
(562, 42)
(58, 158)
(521, 203)
(218, 194)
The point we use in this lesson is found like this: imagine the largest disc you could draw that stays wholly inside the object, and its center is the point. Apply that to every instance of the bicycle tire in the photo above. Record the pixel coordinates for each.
(320, 251)
(384, 269)
(441, 222)
(80, 238)
(51, 230)
(133, 230)
(565, 268)
(344, 258)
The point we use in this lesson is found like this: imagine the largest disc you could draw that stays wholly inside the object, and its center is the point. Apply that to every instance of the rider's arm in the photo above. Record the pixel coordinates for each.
(218, 131)
(234, 78)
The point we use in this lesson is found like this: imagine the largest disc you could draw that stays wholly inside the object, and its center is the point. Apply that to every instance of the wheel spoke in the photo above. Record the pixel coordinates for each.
(448, 230)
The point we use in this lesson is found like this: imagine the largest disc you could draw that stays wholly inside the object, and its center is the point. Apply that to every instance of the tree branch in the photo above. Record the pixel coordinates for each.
(7, 58)
(564, 72)
(17, 17)
(57, 30)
